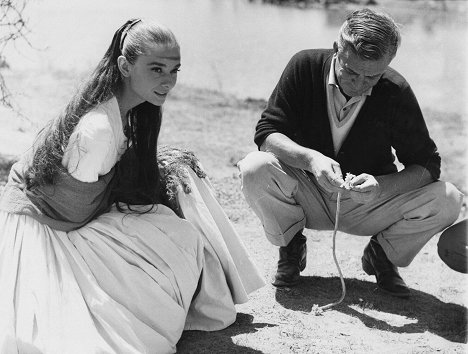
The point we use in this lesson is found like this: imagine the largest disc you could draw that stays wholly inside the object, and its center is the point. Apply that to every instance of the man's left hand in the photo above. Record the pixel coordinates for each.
(364, 188)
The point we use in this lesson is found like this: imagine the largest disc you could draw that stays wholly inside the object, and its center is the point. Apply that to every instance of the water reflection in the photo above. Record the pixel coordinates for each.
(241, 47)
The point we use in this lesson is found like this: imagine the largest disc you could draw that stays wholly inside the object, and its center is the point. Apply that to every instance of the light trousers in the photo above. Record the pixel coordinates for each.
(287, 200)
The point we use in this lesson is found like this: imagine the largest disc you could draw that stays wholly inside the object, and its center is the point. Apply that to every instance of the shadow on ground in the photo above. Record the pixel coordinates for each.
(220, 341)
(446, 320)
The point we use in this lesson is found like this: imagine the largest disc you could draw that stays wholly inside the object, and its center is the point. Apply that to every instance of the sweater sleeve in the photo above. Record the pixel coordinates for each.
(88, 148)
(282, 112)
(410, 136)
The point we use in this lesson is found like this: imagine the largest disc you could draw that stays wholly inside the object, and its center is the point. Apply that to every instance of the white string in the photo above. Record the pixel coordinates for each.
(317, 310)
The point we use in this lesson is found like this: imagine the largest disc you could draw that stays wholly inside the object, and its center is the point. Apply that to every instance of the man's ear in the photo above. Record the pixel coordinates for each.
(124, 66)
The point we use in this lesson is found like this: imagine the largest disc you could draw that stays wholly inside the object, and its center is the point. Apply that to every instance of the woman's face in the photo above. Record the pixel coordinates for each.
(154, 74)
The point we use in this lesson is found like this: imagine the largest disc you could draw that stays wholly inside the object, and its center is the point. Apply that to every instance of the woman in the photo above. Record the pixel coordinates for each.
(92, 259)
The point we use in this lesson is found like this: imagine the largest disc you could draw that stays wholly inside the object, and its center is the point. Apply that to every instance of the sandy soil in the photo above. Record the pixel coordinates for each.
(219, 130)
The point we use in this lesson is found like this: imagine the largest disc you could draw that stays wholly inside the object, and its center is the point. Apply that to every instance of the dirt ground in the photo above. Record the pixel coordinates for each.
(219, 130)
(280, 321)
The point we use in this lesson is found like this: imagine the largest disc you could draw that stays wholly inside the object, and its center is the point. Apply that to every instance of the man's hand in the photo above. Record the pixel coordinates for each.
(327, 171)
(364, 188)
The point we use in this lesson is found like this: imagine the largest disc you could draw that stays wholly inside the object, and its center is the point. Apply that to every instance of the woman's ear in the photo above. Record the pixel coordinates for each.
(124, 66)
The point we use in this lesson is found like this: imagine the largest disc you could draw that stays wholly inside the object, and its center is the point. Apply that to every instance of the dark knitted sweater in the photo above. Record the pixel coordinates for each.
(390, 117)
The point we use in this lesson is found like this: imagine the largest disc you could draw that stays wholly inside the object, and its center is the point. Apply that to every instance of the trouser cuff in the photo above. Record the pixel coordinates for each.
(284, 238)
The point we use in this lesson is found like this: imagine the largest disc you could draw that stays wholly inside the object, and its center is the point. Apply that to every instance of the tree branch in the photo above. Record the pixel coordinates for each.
(12, 28)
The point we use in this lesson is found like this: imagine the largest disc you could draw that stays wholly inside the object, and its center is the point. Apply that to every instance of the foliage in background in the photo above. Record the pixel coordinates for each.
(12, 28)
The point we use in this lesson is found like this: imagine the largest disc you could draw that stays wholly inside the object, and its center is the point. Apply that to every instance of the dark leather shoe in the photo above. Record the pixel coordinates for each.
(375, 262)
(292, 261)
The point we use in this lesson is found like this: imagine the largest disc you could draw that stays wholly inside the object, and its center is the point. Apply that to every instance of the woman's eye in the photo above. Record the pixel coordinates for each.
(157, 70)
(175, 71)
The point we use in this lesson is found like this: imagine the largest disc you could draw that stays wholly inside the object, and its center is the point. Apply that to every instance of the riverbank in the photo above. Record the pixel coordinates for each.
(219, 129)
(444, 5)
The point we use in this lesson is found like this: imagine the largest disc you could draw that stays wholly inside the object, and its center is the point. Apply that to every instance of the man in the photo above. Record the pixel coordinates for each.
(342, 111)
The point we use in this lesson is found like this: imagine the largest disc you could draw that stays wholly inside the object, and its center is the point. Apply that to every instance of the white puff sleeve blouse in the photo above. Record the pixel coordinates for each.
(96, 143)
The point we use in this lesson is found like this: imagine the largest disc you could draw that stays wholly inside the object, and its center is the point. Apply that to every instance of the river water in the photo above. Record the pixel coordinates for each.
(240, 47)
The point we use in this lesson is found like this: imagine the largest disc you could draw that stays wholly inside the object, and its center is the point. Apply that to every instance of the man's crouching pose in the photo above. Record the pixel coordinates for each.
(337, 111)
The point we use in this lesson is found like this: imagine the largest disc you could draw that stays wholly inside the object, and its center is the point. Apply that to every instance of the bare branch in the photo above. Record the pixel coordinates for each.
(12, 28)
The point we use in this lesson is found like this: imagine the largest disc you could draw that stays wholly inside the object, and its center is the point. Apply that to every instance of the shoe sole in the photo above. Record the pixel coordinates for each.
(289, 285)
(283, 284)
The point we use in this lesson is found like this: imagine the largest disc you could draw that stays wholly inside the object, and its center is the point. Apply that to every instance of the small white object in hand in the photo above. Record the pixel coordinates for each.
(347, 181)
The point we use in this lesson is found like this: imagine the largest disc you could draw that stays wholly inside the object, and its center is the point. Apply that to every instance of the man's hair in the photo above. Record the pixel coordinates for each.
(369, 34)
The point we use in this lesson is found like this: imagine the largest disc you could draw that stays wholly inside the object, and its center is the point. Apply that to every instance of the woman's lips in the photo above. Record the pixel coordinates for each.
(160, 94)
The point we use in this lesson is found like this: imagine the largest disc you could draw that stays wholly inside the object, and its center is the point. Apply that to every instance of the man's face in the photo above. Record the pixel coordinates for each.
(356, 75)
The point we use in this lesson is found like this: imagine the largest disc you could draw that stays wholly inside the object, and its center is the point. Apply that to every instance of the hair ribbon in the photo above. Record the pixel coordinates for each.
(125, 31)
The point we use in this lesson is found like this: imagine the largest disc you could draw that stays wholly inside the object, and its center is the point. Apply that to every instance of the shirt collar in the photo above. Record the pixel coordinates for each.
(332, 77)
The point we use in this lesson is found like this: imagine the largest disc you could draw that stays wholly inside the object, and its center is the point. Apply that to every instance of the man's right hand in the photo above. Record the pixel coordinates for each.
(326, 170)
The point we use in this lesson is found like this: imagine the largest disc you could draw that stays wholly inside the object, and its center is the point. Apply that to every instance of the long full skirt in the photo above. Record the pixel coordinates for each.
(124, 283)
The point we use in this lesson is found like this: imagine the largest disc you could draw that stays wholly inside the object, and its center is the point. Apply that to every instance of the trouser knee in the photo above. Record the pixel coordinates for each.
(437, 207)
(449, 201)
(254, 169)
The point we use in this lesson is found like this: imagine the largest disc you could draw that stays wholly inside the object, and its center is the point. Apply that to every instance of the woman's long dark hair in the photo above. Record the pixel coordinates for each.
(130, 40)
(137, 180)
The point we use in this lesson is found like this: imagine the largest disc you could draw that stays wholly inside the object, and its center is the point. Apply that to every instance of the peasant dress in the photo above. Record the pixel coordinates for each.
(123, 282)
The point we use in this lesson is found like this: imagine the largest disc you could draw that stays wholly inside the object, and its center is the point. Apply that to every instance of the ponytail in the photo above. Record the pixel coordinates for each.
(52, 140)
(137, 175)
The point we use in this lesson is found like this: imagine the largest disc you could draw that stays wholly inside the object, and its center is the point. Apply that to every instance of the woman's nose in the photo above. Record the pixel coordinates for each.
(169, 81)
